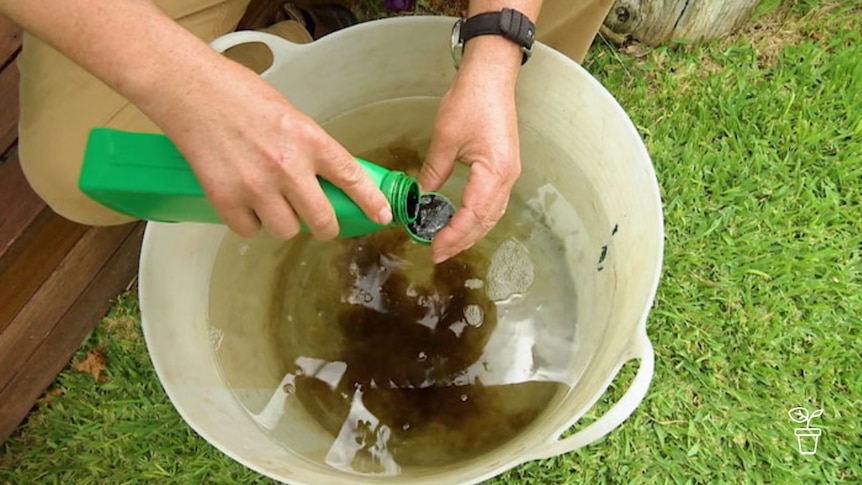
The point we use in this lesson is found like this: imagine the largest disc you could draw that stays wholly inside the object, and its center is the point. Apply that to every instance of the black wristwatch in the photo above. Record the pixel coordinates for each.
(509, 23)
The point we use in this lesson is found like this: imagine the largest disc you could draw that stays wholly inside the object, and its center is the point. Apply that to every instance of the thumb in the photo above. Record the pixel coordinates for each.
(346, 173)
(438, 164)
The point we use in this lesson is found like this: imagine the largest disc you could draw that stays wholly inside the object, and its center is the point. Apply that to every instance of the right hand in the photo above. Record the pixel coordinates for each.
(257, 156)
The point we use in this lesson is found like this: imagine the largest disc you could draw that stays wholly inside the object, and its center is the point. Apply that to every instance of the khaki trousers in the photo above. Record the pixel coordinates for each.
(60, 102)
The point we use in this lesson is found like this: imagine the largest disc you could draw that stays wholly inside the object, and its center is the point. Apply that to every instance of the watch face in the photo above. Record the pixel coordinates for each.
(457, 43)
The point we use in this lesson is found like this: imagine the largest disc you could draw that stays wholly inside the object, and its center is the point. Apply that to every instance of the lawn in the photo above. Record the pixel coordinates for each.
(757, 142)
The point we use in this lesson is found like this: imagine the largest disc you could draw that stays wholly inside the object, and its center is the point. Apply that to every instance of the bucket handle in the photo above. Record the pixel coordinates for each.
(641, 349)
(281, 48)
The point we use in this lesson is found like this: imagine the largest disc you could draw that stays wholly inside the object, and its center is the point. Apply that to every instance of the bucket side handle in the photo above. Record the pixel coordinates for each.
(281, 48)
(642, 349)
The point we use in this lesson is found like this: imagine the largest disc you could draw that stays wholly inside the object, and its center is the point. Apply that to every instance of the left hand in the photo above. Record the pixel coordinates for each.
(476, 125)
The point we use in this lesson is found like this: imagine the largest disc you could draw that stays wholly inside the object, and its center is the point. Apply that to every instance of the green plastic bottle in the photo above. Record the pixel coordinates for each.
(143, 175)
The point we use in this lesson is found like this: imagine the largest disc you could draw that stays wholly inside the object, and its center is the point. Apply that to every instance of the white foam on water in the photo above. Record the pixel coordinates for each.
(512, 272)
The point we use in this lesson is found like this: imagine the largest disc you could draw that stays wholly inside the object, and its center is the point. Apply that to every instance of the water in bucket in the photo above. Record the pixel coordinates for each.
(363, 355)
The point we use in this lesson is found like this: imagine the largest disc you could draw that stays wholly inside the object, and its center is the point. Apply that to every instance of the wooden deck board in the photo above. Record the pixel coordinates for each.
(55, 351)
(31, 257)
(31, 260)
(18, 203)
(56, 295)
(8, 107)
(10, 45)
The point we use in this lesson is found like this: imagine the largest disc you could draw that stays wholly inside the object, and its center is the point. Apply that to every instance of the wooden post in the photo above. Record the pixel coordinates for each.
(655, 22)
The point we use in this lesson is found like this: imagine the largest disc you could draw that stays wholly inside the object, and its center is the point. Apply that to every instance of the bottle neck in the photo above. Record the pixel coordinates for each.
(403, 194)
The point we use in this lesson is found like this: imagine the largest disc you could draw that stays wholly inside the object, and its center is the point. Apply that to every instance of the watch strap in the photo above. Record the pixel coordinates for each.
(508, 22)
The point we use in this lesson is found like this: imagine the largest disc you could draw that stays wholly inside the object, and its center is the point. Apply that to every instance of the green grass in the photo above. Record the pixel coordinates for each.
(757, 141)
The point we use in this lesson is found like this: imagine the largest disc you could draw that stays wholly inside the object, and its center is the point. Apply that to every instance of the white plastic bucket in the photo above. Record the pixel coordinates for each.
(604, 204)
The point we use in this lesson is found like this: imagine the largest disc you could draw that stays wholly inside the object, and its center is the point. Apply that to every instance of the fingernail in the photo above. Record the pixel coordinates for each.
(385, 216)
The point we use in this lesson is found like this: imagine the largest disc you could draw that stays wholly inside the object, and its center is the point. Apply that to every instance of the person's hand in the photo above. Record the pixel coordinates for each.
(476, 125)
(257, 156)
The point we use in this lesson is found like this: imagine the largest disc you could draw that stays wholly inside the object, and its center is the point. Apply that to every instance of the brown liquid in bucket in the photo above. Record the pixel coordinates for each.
(406, 342)
(391, 358)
